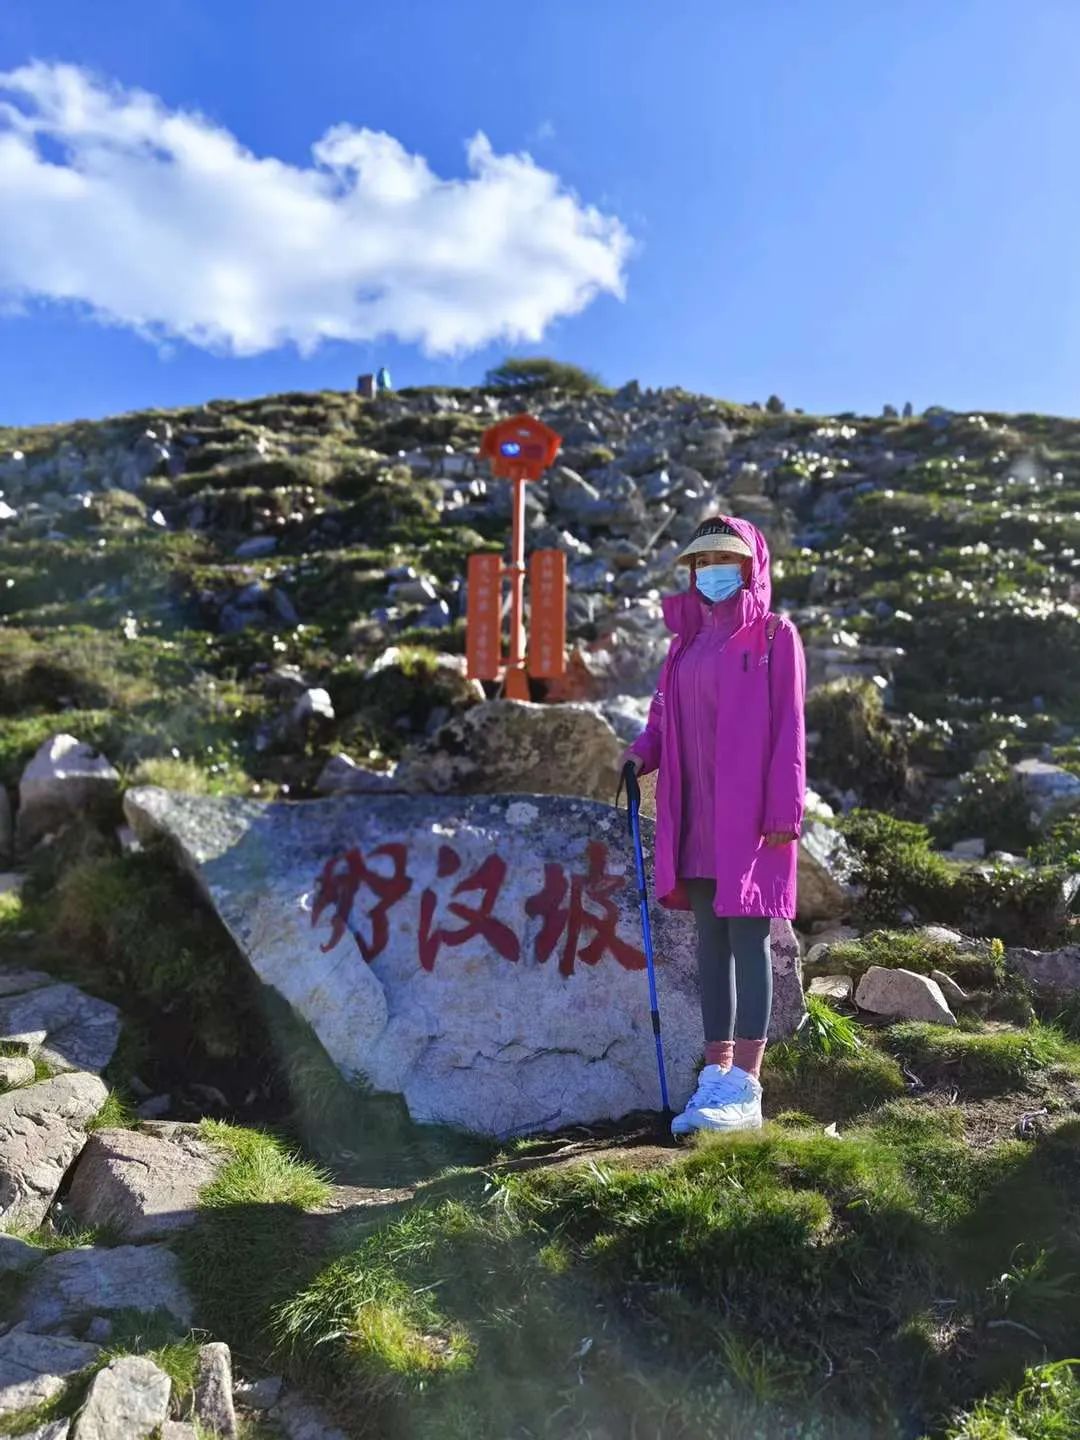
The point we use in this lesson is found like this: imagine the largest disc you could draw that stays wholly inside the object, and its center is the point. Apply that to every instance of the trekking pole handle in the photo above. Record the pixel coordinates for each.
(633, 793)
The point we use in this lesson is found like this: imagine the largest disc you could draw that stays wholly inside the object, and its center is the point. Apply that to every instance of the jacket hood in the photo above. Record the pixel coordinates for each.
(682, 611)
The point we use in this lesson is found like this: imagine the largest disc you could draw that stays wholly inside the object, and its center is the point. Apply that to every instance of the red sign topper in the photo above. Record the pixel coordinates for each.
(521, 446)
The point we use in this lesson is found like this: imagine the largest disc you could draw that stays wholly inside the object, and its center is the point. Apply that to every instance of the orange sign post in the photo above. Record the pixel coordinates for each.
(483, 620)
(547, 614)
(519, 449)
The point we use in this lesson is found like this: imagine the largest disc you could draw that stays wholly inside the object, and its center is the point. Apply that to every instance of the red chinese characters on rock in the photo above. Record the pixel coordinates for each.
(581, 907)
(566, 919)
(479, 920)
(340, 883)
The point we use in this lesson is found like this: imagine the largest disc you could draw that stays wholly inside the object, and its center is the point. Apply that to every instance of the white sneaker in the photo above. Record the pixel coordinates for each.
(724, 1100)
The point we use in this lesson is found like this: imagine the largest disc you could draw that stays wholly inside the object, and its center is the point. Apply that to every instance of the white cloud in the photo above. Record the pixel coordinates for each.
(161, 221)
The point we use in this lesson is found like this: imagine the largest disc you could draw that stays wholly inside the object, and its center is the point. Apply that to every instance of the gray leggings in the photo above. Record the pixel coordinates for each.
(734, 966)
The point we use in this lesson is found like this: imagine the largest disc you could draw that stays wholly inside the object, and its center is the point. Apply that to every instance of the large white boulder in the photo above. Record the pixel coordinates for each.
(482, 956)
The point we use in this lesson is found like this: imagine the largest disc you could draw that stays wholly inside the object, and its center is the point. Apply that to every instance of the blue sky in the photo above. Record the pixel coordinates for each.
(843, 203)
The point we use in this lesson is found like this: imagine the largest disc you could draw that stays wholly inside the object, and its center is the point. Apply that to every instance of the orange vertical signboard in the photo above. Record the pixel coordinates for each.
(547, 620)
(483, 620)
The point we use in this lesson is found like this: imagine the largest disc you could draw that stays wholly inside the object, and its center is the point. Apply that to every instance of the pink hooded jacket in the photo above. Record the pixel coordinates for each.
(760, 750)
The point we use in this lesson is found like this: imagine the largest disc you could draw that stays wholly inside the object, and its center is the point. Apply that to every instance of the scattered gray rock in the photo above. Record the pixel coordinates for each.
(261, 1394)
(16, 1254)
(178, 1430)
(312, 705)
(302, 1420)
(832, 987)
(904, 995)
(62, 1026)
(155, 1107)
(789, 1004)
(417, 590)
(65, 778)
(1049, 972)
(35, 1368)
(128, 1400)
(42, 1129)
(973, 849)
(570, 494)
(74, 1286)
(1048, 789)
(16, 1070)
(825, 889)
(342, 776)
(954, 995)
(141, 1186)
(214, 1391)
(256, 546)
(507, 745)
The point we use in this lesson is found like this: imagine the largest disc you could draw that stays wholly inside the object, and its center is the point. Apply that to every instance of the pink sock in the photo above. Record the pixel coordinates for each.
(747, 1056)
(719, 1052)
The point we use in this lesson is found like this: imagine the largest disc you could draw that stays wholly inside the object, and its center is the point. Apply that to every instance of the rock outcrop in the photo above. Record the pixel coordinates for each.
(480, 956)
(42, 1129)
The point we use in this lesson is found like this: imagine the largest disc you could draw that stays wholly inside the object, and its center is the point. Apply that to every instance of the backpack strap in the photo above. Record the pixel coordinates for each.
(772, 624)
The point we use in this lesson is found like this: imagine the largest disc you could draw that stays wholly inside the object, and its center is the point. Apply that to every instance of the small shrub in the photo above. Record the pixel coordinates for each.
(116, 1114)
(827, 1031)
(901, 875)
(858, 748)
(989, 803)
(536, 372)
(1060, 845)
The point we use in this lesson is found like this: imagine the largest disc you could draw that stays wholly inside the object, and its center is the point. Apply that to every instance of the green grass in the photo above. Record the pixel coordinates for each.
(1045, 1407)
(700, 1291)
(153, 1334)
(827, 1031)
(798, 1076)
(261, 1171)
(985, 1061)
(132, 929)
(248, 1251)
(899, 872)
(116, 1114)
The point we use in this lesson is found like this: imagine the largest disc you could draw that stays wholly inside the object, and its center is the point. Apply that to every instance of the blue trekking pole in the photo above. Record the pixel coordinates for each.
(633, 806)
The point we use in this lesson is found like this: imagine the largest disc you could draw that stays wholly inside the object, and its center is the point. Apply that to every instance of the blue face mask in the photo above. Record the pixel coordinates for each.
(719, 582)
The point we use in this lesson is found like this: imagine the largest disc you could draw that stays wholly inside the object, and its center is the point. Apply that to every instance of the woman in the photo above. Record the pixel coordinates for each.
(725, 731)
